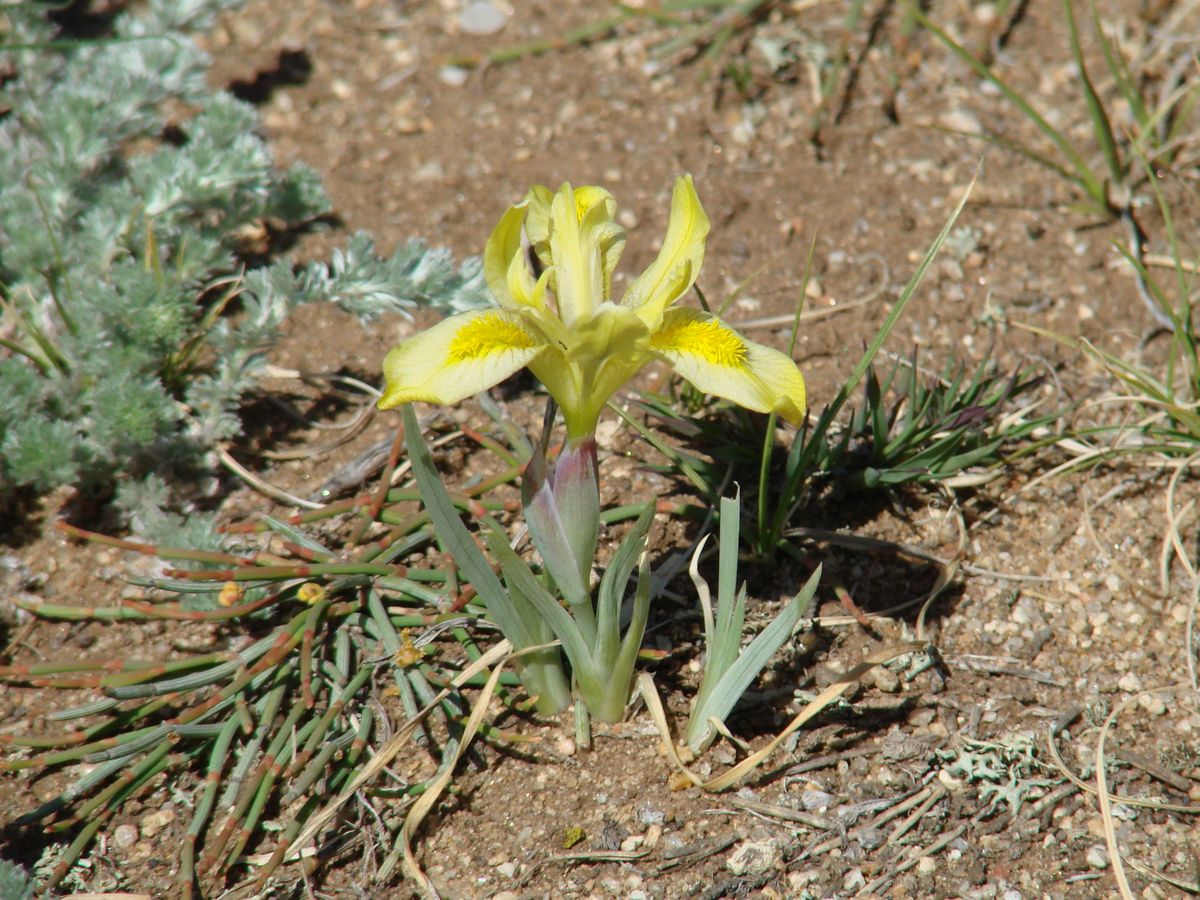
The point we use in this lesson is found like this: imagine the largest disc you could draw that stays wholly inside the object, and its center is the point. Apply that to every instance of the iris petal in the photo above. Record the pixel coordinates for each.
(512, 286)
(678, 263)
(718, 360)
(458, 357)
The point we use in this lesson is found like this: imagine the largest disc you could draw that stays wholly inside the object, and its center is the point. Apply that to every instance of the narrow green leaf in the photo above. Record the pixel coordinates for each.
(1095, 188)
(612, 587)
(800, 463)
(1101, 126)
(749, 664)
(522, 582)
(514, 622)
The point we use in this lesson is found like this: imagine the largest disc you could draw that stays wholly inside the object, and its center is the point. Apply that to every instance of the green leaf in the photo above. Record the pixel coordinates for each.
(522, 626)
(1083, 172)
(523, 583)
(722, 698)
(612, 587)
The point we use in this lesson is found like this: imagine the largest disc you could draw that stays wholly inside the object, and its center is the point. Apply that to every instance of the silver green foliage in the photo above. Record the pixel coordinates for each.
(130, 332)
(15, 883)
(1006, 770)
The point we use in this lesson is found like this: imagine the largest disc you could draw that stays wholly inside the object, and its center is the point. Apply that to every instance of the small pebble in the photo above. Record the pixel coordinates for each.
(854, 880)
(814, 801)
(871, 838)
(886, 680)
(921, 717)
(565, 746)
(481, 19)
(125, 836)
(1130, 682)
(648, 814)
(1153, 704)
(927, 865)
(985, 14)
(506, 869)
(154, 822)
(455, 76)
(1097, 856)
(754, 858)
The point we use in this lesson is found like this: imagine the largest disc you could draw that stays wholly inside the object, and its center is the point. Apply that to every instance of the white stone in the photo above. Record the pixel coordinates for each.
(754, 858)
(1097, 856)
(455, 76)
(1130, 683)
(481, 19)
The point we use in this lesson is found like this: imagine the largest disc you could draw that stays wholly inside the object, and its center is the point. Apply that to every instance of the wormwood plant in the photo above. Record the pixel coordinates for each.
(14, 882)
(131, 199)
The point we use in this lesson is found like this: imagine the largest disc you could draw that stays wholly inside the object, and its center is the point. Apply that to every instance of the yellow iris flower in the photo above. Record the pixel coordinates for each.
(581, 345)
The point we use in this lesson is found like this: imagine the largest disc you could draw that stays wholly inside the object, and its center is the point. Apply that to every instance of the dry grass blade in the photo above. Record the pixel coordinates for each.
(1088, 787)
(420, 809)
(268, 490)
(946, 576)
(1173, 541)
(1192, 887)
(773, 812)
(1110, 832)
(1189, 640)
(649, 693)
(389, 750)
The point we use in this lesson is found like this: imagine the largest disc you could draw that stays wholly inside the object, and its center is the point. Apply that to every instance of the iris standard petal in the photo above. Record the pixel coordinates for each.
(537, 221)
(504, 265)
(458, 357)
(599, 232)
(578, 273)
(718, 360)
(678, 263)
(601, 353)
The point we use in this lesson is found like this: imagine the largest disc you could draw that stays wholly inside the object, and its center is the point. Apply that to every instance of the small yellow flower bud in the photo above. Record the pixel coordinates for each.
(310, 592)
(409, 653)
(231, 594)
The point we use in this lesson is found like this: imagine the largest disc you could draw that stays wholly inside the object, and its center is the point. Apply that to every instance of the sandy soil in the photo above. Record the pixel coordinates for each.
(1057, 615)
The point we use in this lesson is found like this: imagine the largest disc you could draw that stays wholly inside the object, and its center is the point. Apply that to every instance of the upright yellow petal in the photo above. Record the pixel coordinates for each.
(537, 221)
(599, 232)
(504, 267)
(612, 339)
(718, 360)
(678, 263)
(458, 357)
(578, 274)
